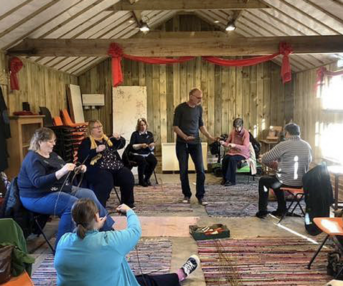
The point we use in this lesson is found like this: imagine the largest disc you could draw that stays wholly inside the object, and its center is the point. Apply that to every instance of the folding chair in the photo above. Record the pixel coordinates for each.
(332, 226)
(21, 280)
(297, 195)
(38, 218)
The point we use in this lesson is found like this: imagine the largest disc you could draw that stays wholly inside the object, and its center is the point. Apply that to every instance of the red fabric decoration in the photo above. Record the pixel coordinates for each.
(15, 66)
(284, 49)
(286, 73)
(322, 72)
(116, 53)
(161, 61)
(241, 62)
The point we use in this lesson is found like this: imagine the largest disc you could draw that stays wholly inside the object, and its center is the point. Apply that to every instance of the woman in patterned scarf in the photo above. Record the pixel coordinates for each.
(105, 168)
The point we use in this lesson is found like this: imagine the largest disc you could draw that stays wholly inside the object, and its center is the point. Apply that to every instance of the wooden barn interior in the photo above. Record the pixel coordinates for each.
(66, 42)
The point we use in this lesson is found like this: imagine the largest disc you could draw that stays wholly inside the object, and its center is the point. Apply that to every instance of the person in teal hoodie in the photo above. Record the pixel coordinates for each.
(87, 257)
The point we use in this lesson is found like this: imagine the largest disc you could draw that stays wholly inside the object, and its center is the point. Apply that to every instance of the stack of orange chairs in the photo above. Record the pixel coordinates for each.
(69, 136)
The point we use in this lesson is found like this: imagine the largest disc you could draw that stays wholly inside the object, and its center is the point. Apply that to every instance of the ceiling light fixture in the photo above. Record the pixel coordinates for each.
(230, 27)
(216, 21)
(144, 28)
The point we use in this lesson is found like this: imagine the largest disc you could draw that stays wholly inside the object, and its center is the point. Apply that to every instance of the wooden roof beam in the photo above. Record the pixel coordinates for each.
(189, 5)
(183, 46)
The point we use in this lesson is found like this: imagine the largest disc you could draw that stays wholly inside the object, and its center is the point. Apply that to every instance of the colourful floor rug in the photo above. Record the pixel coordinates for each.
(262, 262)
(150, 256)
(166, 198)
(240, 200)
(173, 226)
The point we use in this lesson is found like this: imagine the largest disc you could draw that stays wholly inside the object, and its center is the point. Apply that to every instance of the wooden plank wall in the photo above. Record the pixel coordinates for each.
(39, 85)
(254, 93)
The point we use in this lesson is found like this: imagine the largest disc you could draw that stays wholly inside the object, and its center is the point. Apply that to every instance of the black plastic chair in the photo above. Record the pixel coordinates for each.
(129, 163)
(47, 120)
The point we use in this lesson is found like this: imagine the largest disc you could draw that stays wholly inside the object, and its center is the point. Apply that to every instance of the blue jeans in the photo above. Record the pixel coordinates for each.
(183, 150)
(60, 204)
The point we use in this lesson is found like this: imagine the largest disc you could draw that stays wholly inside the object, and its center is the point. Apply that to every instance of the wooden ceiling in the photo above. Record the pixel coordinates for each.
(72, 35)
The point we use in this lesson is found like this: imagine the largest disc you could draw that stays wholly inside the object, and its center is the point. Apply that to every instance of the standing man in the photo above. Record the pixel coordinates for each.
(293, 157)
(187, 122)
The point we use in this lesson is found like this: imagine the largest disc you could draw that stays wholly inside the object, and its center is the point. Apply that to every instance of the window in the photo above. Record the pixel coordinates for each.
(332, 96)
(329, 134)
(331, 142)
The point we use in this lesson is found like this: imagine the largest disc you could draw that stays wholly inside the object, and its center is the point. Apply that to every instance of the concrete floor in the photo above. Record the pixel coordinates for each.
(248, 227)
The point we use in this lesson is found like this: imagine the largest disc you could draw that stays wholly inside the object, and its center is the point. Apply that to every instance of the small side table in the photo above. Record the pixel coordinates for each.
(337, 171)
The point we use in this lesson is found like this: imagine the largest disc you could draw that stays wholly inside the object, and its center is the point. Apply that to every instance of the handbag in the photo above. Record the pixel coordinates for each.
(5, 263)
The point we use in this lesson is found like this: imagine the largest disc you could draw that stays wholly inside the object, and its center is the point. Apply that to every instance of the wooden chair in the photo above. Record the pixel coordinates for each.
(21, 280)
(297, 196)
(332, 226)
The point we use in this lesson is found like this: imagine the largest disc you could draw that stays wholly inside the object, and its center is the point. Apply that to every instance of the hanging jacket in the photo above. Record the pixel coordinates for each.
(5, 132)
(13, 208)
(318, 196)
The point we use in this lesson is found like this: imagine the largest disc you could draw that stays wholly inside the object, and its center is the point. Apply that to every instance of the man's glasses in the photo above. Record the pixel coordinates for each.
(197, 97)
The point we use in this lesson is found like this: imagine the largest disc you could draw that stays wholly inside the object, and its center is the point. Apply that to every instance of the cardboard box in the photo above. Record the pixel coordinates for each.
(209, 232)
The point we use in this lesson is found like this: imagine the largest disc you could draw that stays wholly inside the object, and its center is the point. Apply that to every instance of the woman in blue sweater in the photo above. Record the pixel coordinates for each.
(44, 185)
(88, 257)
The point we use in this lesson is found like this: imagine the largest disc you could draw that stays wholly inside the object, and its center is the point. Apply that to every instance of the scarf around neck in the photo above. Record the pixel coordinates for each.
(94, 146)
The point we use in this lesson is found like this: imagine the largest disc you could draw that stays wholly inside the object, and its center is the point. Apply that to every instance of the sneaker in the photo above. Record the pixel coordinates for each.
(191, 264)
(227, 184)
(201, 202)
(186, 200)
(261, 214)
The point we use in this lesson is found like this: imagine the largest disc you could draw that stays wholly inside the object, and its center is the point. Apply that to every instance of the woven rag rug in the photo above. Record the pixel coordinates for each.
(262, 262)
(165, 198)
(240, 200)
(154, 258)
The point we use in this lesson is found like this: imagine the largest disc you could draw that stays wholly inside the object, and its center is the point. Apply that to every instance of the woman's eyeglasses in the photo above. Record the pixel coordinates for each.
(97, 127)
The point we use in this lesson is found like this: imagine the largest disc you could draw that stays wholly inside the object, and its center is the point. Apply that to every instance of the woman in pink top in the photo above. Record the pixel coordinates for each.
(238, 144)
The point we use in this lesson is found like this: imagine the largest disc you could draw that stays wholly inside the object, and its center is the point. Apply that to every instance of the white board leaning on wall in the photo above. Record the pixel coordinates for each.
(129, 104)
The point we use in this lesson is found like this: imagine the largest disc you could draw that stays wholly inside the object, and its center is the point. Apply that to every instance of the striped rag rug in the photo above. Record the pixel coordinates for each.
(152, 256)
(261, 262)
(161, 198)
(240, 200)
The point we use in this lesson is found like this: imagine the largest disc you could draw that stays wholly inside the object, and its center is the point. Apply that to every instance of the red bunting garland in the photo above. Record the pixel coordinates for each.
(117, 53)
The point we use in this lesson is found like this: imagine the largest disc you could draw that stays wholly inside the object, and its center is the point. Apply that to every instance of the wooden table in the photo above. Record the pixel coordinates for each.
(337, 171)
(268, 144)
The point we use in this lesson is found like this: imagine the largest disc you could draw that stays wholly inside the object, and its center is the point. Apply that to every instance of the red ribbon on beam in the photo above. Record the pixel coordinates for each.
(117, 54)
(322, 72)
(284, 49)
(15, 66)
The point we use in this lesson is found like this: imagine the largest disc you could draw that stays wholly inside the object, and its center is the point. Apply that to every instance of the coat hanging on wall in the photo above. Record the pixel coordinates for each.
(5, 132)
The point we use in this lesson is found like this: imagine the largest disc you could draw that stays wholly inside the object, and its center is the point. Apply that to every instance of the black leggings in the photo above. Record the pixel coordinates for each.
(146, 166)
(103, 181)
(158, 280)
